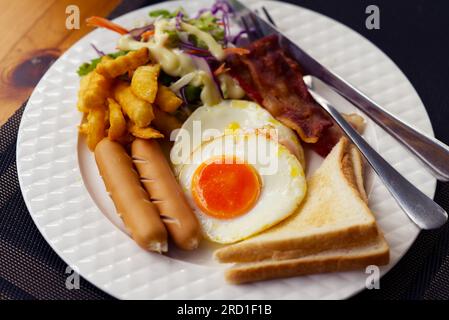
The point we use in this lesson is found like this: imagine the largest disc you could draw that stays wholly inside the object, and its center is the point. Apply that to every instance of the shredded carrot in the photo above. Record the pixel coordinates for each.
(239, 51)
(100, 22)
(193, 51)
(147, 34)
(221, 69)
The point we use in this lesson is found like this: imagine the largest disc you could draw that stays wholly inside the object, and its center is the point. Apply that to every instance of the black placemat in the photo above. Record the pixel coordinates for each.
(29, 269)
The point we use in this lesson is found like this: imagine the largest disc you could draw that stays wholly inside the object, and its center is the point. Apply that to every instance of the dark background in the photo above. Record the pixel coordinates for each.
(414, 34)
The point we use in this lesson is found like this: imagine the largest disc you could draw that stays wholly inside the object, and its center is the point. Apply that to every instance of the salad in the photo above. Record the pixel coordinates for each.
(191, 52)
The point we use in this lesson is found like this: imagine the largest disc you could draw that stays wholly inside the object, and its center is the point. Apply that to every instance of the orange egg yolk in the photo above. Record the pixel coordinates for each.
(225, 189)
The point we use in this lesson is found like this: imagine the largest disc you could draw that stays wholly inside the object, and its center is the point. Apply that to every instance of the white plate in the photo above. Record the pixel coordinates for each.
(77, 219)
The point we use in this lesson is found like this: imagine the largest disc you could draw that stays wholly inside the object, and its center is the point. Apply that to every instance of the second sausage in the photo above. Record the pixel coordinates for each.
(166, 194)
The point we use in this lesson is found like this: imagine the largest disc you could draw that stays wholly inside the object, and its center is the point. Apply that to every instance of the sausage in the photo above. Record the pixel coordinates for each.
(132, 202)
(166, 194)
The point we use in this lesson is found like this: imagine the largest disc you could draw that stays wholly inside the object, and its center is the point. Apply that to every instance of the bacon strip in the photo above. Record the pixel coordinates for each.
(274, 80)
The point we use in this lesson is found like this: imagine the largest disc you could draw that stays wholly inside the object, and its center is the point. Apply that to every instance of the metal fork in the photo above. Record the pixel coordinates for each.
(422, 210)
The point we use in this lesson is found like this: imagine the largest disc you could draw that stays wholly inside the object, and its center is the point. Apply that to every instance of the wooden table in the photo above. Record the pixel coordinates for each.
(33, 35)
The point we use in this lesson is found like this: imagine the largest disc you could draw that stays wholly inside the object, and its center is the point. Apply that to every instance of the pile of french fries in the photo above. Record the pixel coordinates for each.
(122, 110)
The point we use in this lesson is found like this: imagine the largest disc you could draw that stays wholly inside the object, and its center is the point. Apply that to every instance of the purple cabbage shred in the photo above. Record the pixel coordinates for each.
(136, 33)
(182, 91)
(98, 51)
(178, 18)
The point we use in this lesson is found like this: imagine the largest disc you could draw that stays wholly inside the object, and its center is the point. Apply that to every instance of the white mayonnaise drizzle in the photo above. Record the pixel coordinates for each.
(230, 87)
(215, 49)
(176, 63)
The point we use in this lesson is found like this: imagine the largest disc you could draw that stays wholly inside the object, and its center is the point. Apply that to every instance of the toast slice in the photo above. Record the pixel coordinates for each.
(334, 215)
(372, 253)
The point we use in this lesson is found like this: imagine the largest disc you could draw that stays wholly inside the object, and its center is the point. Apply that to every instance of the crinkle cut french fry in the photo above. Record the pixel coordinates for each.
(126, 139)
(144, 82)
(84, 83)
(96, 126)
(167, 100)
(165, 122)
(94, 89)
(116, 120)
(83, 127)
(112, 68)
(138, 110)
(144, 133)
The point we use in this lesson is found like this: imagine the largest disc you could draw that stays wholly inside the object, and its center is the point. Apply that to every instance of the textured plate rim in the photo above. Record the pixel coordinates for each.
(65, 258)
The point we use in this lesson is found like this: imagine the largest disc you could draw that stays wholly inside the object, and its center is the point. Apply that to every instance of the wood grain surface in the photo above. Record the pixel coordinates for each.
(33, 34)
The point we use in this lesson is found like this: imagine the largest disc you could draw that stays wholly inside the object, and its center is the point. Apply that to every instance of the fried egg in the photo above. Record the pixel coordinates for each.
(236, 116)
(241, 184)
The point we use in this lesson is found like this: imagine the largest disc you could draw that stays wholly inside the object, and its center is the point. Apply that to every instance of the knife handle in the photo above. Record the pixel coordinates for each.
(432, 152)
(422, 210)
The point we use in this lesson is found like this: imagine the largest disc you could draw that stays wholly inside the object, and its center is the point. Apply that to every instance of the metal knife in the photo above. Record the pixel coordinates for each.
(432, 152)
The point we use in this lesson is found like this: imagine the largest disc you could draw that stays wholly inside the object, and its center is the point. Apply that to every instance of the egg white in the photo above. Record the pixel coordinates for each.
(232, 115)
(281, 191)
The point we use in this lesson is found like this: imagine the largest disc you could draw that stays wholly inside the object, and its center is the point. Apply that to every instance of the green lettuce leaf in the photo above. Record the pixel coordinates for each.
(166, 14)
(88, 67)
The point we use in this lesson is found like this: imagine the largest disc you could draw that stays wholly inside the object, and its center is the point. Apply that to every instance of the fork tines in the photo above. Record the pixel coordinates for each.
(252, 26)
